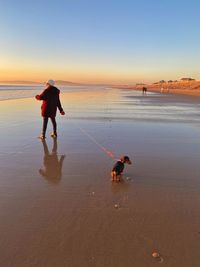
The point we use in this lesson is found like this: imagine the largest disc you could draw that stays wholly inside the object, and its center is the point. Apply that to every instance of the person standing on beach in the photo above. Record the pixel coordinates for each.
(144, 90)
(51, 101)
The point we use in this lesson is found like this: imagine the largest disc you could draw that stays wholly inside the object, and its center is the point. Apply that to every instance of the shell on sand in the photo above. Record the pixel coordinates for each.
(155, 254)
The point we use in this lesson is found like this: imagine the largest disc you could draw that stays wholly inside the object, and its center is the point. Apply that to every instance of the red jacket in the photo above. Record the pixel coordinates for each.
(51, 101)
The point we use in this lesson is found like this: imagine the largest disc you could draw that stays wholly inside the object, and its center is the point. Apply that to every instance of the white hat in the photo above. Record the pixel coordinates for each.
(50, 82)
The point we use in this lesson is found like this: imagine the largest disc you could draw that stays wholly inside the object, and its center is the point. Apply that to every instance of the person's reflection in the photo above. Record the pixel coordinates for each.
(52, 170)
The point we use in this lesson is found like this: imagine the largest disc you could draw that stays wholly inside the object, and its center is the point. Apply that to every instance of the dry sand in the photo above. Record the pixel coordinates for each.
(62, 213)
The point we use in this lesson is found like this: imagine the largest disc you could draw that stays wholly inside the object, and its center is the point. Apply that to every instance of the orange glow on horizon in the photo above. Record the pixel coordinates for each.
(79, 77)
(79, 74)
(35, 71)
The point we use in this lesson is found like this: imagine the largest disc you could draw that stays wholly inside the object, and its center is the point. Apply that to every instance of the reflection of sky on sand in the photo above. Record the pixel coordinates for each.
(54, 224)
(112, 104)
(103, 103)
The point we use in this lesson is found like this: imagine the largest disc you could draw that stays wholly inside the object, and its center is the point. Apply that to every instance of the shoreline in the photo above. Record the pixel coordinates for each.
(179, 88)
(186, 92)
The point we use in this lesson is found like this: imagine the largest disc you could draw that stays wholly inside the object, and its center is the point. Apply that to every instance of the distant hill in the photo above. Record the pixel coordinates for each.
(59, 82)
(19, 82)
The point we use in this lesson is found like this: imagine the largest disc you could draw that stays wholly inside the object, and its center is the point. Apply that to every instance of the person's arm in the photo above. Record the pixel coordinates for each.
(59, 106)
(42, 96)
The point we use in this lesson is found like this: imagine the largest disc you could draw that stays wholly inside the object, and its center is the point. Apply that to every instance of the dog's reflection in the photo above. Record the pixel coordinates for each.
(52, 170)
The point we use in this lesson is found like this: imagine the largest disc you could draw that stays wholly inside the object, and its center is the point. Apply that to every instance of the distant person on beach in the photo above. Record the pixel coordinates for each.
(51, 102)
(118, 168)
(52, 170)
(144, 90)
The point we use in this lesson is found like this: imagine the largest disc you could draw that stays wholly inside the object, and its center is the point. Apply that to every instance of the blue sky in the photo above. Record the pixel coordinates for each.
(100, 41)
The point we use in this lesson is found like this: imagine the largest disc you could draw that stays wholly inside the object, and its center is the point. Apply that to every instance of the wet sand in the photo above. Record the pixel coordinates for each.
(57, 206)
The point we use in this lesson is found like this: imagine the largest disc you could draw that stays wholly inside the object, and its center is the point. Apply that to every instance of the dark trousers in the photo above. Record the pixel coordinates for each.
(45, 122)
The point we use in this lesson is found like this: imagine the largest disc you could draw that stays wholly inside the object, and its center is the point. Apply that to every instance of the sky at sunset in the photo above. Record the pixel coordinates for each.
(99, 41)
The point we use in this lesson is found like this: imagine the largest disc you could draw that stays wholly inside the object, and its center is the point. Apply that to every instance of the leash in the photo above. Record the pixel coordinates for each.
(102, 148)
